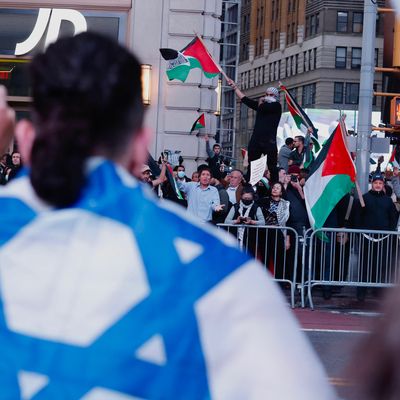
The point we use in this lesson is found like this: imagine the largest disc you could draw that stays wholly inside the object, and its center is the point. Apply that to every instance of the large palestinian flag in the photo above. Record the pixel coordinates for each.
(332, 176)
(194, 55)
(301, 118)
(395, 156)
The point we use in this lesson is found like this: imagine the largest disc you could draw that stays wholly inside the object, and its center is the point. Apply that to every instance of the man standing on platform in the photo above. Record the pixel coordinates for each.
(269, 111)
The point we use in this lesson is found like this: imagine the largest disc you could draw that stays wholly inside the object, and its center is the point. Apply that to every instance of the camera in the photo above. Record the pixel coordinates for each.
(293, 178)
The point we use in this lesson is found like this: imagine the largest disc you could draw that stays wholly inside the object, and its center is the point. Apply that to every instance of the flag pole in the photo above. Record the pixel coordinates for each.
(216, 64)
(344, 129)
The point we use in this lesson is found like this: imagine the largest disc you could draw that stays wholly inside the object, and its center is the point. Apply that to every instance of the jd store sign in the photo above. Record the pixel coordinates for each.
(50, 19)
(24, 32)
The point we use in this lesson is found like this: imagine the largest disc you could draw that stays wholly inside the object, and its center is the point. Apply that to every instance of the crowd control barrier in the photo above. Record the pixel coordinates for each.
(268, 245)
(349, 257)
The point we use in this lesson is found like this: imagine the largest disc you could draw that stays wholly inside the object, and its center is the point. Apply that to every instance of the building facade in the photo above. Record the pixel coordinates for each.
(312, 46)
(143, 26)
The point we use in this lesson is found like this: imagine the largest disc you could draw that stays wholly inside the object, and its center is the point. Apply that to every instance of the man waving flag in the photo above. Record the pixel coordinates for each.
(332, 175)
(301, 119)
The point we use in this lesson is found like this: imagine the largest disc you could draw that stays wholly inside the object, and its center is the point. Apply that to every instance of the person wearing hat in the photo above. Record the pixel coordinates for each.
(146, 176)
(379, 214)
(269, 111)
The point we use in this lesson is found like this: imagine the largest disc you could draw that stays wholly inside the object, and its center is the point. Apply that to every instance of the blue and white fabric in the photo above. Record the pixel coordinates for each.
(121, 297)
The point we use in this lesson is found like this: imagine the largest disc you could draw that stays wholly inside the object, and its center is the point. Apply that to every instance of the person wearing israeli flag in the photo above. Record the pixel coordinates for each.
(107, 293)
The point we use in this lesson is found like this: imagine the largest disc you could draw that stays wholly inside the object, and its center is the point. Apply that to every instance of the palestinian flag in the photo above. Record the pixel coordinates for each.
(332, 176)
(301, 118)
(194, 55)
(172, 181)
(199, 123)
(395, 157)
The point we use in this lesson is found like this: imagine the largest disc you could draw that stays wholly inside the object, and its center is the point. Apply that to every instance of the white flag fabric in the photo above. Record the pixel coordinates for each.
(124, 297)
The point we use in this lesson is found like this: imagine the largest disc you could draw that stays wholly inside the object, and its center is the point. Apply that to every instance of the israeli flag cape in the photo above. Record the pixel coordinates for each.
(121, 297)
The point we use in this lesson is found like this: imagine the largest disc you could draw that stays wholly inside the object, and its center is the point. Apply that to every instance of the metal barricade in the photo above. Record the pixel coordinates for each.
(349, 257)
(268, 245)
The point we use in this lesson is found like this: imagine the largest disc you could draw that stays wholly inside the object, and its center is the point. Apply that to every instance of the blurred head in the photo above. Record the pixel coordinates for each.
(281, 175)
(16, 158)
(146, 173)
(298, 141)
(235, 178)
(205, 177)
(289, 142)
(195, 176)
(272, 92)
(378, 183)
(217, 148)
(86, 101)
(277, 189)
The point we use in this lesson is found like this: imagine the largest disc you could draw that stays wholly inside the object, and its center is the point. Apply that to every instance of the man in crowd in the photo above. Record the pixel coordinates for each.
(284, 153)
(235, 186)
(202, 198)
(215, 159)
(297, 155)
(378, 214)
(180, 173)
(269, 111)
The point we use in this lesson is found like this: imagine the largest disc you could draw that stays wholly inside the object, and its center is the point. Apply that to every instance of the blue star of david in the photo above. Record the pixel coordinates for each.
(109, 362)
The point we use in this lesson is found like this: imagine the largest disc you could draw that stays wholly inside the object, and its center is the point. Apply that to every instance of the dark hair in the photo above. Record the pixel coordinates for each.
(289, 141)
(204, 168)
(247, 188)
(301, 138)
(86, 100)
(283, 191)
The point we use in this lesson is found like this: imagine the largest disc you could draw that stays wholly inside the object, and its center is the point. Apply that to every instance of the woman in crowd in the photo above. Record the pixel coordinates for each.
(246, 212)
(276, 213)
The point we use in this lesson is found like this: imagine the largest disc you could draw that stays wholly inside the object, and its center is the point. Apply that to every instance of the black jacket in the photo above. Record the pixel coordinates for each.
(267, 121)
(379, 212)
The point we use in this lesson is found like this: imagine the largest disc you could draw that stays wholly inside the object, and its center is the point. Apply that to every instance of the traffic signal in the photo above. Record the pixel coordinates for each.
(396, 43)
(395, 112)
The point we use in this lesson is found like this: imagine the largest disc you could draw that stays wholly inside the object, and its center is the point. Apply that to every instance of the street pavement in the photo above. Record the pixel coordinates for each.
(335, 328)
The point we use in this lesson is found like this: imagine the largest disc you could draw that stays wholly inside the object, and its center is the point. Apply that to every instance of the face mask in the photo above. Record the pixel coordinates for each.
(270, 99)
(247, 202)
(181, 174)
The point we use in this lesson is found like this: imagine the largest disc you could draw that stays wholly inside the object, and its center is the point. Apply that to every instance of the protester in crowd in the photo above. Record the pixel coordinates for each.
(117, 274)
(378, 214)
(263, 187)
(276, 213)
(246, 212)
(215, 159)
(235, 186)
(284, 153)
(203, 199)
(7, 122)
(181, 173)
(269, 111)
(195, 176)
(297, 155)
(147, 177)
(5, 168)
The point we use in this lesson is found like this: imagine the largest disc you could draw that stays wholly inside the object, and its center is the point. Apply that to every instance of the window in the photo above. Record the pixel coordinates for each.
(309, 95)
(293, 32)
(288, 35)
(374, 97)
(315, 58)
(356, 58)
(310, 60)
(272, 41)
(376, 62)
(357, 22)
(352, 91)
(304, 61)
(338, 92)
(307, 26)
(340, 59)
(341, 24)
(312, 27)
(296, 64)
(316, 23)
(288, 66)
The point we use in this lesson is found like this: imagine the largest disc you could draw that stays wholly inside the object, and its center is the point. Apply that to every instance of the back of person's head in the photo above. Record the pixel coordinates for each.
(86, 101)
(289, 141)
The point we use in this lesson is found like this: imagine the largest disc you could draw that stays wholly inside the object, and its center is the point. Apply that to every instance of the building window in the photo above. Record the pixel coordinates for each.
(288, 66)
(312, 25)
(352, 92)
(341, 24)
(374, 97)
(340, 59)
(304, 61)
(293, 33)
(315, 58)
(309, 95)
(356, 58)
(296, 64)
(338, 93)
(376, 62)
(357, 22)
